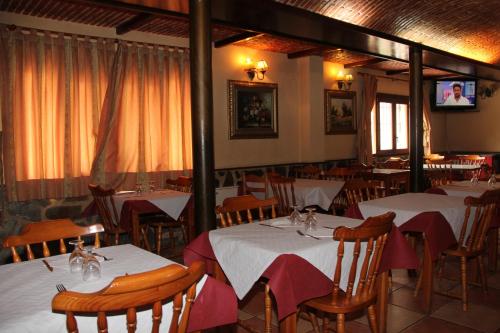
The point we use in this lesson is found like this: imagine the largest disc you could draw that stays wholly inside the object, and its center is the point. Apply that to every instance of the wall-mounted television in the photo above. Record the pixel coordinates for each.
(454, 95)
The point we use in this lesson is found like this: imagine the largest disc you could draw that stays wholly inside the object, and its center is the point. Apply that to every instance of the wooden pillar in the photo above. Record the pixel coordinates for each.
(202, 114)
(416, 121)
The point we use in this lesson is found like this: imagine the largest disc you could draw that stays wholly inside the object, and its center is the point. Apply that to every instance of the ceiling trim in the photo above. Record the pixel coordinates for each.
(315, 51)
(364, 63)
(236, 38)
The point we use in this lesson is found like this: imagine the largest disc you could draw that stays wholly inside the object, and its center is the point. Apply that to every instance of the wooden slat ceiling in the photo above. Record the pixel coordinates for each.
(354, 11)
(467, 28)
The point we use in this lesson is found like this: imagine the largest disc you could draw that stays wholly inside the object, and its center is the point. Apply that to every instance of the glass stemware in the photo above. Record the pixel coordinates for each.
(152, 186)
(493, 180)
(76, 257)
(474, 180)
(295, 217)
(91, 266)
(311, 222)
(138, 189)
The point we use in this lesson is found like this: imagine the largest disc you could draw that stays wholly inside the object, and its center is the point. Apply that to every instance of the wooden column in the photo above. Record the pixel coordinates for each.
(202, 114)
(416, 121)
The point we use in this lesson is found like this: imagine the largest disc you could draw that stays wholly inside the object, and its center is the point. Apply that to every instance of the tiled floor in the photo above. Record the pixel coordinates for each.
(405, 313)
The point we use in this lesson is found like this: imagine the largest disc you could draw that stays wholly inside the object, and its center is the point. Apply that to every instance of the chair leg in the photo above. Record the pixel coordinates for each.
(117, 238)
(442, 262)
(314, 321)
(482, 274)
(184, 235)
(463, 280)
(326, 322)
(493, 249)
(268, 310)
(172, 238)
(419, 284)
(372, 319)
(158, 239)
(340, 323)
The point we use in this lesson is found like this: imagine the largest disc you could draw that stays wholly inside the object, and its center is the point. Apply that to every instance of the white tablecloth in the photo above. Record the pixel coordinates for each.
(389, 171)
(466, 188)
(245, 251)
(27, 289)
(309, 192)
(408, 205)
(465, 167)
(171, 202)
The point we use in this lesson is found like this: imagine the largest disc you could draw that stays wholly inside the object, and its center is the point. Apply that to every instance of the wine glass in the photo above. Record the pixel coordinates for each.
(152, 186)
(295, 217)
(311, 222)
(493, 180)
(138, 189)
(77, 256)
(474, 180)
(91, 269)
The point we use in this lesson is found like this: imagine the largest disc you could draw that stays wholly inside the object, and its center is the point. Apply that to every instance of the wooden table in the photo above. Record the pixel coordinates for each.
(408, 207)
(261, 248)
(393, 176)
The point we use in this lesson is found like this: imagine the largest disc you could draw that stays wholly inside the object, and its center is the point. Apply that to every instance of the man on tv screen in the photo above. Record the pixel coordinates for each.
(456, 98)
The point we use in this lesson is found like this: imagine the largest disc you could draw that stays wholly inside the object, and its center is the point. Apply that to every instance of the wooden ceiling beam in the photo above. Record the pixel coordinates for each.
(247, 35)
(134, 23)
(397, 71)
(363, 63)
(306, 53)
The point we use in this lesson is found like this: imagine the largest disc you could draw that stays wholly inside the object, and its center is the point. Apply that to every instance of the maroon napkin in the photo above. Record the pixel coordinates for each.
(353, 212)
(436, 229)
(216, 305)
(200, 249)
(140, 206)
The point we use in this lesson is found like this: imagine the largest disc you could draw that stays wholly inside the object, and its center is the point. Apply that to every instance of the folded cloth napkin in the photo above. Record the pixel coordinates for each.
(320, 232)
(281, 222)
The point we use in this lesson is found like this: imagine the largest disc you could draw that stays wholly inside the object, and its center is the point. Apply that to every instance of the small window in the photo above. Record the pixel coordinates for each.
(390, 117)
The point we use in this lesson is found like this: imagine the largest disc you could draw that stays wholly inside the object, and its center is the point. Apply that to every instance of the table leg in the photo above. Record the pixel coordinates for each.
(136, 238)
(382, 295)
(427, 276)
(289, 324)
(493, 249)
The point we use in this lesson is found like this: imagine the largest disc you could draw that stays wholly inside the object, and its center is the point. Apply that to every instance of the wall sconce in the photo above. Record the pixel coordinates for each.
(258, 70)
(344, 82)
(487, 91)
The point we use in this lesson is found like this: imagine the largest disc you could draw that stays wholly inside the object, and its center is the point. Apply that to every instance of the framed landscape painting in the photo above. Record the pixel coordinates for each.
(253, 110)
(340, 112)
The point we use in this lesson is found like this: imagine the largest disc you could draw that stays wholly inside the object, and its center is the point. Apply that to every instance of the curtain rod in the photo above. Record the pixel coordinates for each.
(12, 27)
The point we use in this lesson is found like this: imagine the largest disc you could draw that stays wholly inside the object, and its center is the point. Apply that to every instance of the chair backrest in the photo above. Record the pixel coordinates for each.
(240, 209)
(106, 208)
(255, 184)
(127, 293)
(308, 172)
(373, 231)
(340, 173)
(471, 160)
(181, 184)
(49, 230)
(284, 192)
(483, 210)
(358, 190)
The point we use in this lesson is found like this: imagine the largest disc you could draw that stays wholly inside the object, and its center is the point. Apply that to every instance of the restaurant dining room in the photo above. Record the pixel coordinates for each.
(250, 166)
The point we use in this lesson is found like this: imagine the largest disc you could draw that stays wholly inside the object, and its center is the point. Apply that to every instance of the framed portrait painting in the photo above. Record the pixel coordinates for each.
(253, 110)
(340, 112)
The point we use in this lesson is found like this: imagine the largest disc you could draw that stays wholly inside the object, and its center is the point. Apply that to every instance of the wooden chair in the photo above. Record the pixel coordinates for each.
(239, 210)
(284, 192)
(181, 184)
(128, 293)
(358, 190)
(308, 172)
(340, 173)
(253, 184)
(393, 164)
(373, 232)
(472, 246)
(49, 230)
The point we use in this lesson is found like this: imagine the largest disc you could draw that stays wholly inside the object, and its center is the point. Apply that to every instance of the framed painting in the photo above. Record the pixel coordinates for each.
(340, 112)
(253, 110)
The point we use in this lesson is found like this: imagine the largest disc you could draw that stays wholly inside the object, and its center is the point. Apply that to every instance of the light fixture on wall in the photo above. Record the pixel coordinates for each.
(344, 82)
(259, 69)
(485, 91)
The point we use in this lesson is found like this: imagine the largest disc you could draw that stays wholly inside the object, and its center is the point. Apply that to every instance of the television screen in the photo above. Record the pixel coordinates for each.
(455, 94)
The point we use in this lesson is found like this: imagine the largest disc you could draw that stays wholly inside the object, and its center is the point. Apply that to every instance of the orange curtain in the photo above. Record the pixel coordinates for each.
(53, 88)
(145, 128)
(364, 138)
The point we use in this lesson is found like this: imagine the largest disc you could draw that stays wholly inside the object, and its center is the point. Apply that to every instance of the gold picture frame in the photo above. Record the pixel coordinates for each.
(340, 112)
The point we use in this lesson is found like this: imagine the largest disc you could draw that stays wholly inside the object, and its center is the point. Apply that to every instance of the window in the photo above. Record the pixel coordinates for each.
(390, 125)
